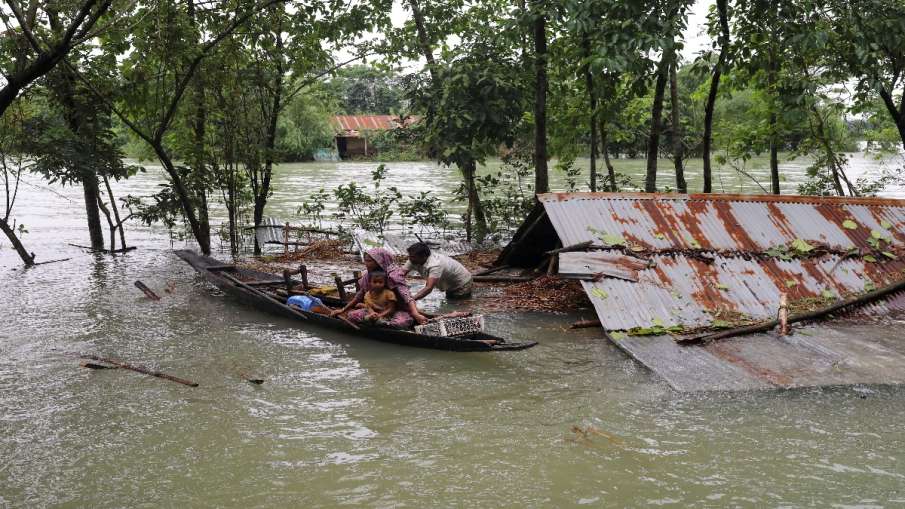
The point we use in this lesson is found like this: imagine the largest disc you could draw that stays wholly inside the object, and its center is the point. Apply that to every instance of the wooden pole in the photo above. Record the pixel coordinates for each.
(802, 317)
(303, 271)
(151, 295)
(139, 369)
(287, 280)
(286, 239)
(357, 275)
(340, 287)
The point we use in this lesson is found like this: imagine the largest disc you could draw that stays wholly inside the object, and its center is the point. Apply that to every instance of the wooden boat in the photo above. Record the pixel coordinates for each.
(259, 290)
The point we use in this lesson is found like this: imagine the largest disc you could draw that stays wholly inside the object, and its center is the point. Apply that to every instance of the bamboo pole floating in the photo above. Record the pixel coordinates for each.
(151, 295)
(801, 317)
(140, 369)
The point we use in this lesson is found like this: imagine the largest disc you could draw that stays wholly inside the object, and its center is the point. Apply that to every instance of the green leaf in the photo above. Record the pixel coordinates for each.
(618, 336)
(870, 258)
(826, 294)
(611, 240)
(869, 286)
(658, 322)
(877, 234)
(849, 224)
(600, 294)
(791, 283)
(890, 255)
(660, 236)
(885, 224)
(721, 286)
(801, 246)
(720, 324)
(693, 243)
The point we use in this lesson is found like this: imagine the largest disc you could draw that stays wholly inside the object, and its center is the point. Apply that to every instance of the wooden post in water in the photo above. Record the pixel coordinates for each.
(287, 280)
(303, 271)
(340, 287)
(286, 239)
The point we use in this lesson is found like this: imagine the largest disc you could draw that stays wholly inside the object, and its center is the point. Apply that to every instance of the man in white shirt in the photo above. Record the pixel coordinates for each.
(439, 271)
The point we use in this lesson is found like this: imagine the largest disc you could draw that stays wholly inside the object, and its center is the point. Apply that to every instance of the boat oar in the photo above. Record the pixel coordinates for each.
(260, 293)
(140, 369)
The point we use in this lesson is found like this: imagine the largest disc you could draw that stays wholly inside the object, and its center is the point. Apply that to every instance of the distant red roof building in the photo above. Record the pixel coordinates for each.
(349, 140)
(351, 123)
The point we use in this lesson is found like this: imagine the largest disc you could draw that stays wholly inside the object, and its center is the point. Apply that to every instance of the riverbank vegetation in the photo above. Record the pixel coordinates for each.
(218, 93)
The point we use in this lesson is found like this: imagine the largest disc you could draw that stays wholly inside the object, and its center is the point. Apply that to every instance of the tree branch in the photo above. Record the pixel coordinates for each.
(321, 74)
(183, 83)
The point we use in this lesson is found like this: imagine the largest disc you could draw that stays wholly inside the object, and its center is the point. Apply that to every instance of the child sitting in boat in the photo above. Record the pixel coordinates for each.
(379, 301)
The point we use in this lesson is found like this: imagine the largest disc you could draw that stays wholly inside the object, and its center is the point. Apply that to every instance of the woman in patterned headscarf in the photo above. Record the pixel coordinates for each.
(379, 258)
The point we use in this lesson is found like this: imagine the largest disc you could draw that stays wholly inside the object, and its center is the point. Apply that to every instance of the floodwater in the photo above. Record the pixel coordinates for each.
(342, 421)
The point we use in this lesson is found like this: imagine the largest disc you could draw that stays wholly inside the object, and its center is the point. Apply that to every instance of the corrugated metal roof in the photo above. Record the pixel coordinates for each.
(707, 252)
(352, 124)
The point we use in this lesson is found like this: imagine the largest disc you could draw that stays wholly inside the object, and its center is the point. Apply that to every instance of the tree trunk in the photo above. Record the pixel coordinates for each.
(270, 145)
(774, 124)
(200, 229)
(722, 10)
(678, 149)
(656, 115)
(424, 42)
(119, 222)
(103, 208)
(79, 24)
(605, 150)
(592, 98)
(898, 115)
(91, 191)
(27, 258)
(541, 178)
(475, 209)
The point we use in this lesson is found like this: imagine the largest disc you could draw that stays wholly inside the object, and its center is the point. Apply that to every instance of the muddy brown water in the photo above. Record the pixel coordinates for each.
(342, 421)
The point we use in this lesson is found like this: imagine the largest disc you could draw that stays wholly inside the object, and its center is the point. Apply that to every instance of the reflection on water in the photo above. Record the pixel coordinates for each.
(346, 421)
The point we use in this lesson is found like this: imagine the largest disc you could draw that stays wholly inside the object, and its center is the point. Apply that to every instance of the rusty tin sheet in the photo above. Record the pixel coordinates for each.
(681, 289)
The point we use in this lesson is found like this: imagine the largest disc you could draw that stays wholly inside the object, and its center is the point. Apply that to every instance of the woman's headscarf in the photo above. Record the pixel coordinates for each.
(395, 275)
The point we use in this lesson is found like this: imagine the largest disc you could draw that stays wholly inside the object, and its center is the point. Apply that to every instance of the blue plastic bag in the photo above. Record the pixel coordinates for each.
(304, 302)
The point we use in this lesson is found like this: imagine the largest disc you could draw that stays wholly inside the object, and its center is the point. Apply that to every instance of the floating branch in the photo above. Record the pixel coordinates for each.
(140, 369)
